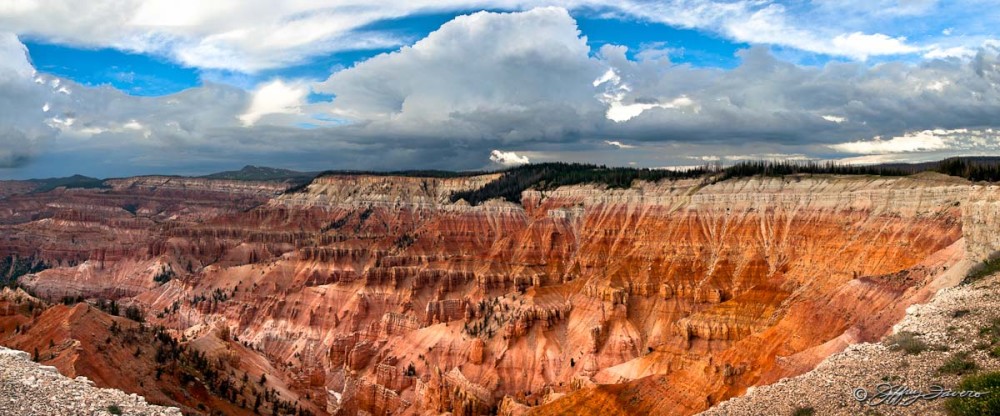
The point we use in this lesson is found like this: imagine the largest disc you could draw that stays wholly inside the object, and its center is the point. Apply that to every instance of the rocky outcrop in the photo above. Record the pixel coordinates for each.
(392, 192)
(31, 389)
(956, 321)
(981, 220)
(184, 187)
(453, 392)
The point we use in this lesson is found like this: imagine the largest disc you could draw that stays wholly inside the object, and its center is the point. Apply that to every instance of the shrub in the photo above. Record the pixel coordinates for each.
(986, 268)
(164, 275)
(114, 409)
(988, 404)
(959, 363)
(134, 313)
(908, 342)
(545, 176)
(992, 329)
(804, 411)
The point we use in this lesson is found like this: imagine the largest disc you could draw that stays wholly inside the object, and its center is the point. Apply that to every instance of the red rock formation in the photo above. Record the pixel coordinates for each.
(377, 294)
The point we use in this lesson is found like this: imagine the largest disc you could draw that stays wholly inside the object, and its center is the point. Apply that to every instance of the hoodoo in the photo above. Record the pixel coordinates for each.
(385, 294)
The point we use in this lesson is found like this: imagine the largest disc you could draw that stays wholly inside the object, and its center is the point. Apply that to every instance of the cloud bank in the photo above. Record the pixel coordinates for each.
(255, 35)
(526, 81)
(22, 100)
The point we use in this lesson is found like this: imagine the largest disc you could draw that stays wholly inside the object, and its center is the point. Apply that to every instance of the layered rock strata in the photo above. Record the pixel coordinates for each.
(378, 294)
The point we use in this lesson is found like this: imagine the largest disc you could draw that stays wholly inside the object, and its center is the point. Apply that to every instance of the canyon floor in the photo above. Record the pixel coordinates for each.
(387, 294)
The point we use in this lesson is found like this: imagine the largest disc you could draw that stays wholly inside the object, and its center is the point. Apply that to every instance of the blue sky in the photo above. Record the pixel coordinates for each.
(132, 73)
(150, 75)
(184, 86)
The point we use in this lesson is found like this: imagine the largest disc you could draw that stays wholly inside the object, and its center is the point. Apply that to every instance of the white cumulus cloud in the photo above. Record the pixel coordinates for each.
(256, 35)
(508, 158)
(621, 112)
(488, 75)
(275, 97)
(912, 142)
(618, 144)
(861, 45)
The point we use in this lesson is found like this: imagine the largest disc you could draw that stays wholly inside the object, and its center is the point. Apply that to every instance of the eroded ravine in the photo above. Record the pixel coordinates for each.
(377, 293)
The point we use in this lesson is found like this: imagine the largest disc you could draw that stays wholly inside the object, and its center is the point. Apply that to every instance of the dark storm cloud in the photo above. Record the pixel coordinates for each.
(526, 85)
(767, 99)
(21, 106)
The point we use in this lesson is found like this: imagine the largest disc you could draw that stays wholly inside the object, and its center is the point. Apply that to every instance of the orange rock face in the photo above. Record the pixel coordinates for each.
(377, 294)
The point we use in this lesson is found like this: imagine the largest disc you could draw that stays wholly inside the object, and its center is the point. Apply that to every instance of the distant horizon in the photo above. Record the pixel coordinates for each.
(494, 169)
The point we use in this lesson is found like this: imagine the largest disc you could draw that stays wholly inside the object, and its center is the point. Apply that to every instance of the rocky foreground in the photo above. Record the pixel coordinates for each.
(961, 321)
(27, 388)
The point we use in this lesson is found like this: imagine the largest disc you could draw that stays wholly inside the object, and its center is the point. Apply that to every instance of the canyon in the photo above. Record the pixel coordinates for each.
(378, 294)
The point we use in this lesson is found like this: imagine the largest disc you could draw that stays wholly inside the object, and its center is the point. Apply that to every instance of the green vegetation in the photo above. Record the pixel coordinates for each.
(405, 240)
(12, 267)
(490, 316)
(777, 168)
(131, 208)
(134, 313)
(908, 342)
(164, 275)
(265, 174)
(75, 181)
(959, 363)
(110, 308)
(72, 300)
(553, 175)
(992, 330)
(981, 270)
(987, 404)
(114, 409)
(804, 411)
(429, 173)
(404, 173)
(971, 168)
(179, 363)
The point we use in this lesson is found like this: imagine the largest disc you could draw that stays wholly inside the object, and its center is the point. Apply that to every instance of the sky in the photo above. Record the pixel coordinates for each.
(112, 88)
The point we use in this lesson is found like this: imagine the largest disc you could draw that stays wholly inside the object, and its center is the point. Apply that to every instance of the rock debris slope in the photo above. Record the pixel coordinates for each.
(959, 320)
(30, 389)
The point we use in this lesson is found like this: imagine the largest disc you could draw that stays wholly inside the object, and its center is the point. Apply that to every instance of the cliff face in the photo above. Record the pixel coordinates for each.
(377, 294)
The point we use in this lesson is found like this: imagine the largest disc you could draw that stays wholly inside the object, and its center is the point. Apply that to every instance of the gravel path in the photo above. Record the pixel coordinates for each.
(962, 319)
(29, 389)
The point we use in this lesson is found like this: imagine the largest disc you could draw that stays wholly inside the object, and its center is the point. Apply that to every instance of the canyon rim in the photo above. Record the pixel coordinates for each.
(499, 207)
(378, 294)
